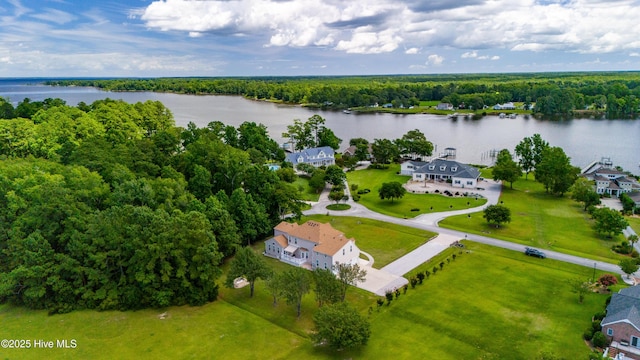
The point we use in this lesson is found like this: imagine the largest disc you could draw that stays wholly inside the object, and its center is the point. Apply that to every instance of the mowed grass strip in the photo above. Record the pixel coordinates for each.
(542, 220)
(213, 331)
(411, 205)
(386, 242)
(490, 303)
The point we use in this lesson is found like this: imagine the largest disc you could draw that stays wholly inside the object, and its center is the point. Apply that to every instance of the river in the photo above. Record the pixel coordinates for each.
(584, 140)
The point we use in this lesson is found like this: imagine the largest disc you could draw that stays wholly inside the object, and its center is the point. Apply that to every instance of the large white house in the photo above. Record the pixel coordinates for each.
(461, 175)
(609, 180)
(320, 156)
(311, 245)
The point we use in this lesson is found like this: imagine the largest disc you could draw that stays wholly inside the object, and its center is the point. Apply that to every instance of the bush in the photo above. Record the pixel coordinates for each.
(415, 209)
(354, 187)
(356, 198)
(599, 315)
(588, 334)
(607, 280)
(595, 326)
(634, 254)
(599, 340)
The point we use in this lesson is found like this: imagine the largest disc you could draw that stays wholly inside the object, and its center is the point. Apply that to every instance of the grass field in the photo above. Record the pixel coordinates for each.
(487, 304)
(372, 179)
(384, 241)
(542, 220)
(306, 193)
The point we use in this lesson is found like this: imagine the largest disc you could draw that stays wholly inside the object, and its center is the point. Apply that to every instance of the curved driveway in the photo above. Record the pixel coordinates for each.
(430, 222)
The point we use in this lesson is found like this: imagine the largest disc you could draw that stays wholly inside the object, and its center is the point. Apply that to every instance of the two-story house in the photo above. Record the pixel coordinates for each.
(320, 156)
(622, 323)
(311, 245)
(461, 175)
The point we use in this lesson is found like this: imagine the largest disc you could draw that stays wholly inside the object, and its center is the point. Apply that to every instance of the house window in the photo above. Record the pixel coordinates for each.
(634, 341)
(442, 168)
(418, 176)
(610, 331)
(469, 182)
(350, 248)
(296, 241)
(454, 169)
(342, 251)
(457, 182)
(431, 167)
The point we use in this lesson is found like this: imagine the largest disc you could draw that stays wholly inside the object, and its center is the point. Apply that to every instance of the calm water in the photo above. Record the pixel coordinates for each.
(584, 140)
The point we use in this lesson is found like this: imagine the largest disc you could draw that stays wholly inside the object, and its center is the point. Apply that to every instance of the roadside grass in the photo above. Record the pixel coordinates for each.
(306, 193)
(372, 179)
(542, 220)
(386, 242)
(634, 222)
(490, 303)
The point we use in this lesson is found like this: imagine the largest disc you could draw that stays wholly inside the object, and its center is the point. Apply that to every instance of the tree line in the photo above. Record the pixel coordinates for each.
(111, 206)
(614, 93)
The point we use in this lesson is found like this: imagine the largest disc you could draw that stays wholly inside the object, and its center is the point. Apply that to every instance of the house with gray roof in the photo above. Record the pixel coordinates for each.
(622, 323)
(609, 180)
(320, 156)
(461, 175)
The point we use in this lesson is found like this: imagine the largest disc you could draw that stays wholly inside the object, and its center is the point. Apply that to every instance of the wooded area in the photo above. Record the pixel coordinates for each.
(111, 206)
(614, 94)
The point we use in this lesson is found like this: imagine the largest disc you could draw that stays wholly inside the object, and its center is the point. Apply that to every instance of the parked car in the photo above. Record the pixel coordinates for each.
(534, 252)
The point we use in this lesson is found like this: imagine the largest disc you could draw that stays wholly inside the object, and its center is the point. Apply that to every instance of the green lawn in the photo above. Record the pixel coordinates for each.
(306, 193)
(372, 179)
(634, 222)
(487, 304)
(384, 241)
(542, 220)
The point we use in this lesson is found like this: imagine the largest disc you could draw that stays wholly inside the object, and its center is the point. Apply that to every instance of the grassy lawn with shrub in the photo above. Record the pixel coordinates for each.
(384, 241)
(634, 222)
(411, 205)
(306, 193)
(487, 304)
(542, 220)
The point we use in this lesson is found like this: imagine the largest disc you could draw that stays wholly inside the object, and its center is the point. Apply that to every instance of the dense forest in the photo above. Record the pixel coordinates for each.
(615, 94)
(111, 206)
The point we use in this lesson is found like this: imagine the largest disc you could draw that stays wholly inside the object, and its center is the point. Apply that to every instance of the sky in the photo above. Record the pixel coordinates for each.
(144, 38)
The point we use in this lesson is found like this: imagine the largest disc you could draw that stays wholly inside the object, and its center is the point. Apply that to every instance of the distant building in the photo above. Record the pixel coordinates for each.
(444, 106)
(321, 156)
(312, 245)
(505, 106)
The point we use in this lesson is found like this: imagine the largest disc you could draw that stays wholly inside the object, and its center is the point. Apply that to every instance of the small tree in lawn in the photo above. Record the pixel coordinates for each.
(628, 266)
(349, 275)
(389, 295)
(336, 195)
(580, 287)
(420, 277)
(633, 239)
(497, 214)
(609, 222)
(391, 190)
(606, 280)
(246, 263)
(340, 326)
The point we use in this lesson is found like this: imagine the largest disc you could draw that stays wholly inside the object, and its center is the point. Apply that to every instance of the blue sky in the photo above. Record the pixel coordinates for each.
(59, 38)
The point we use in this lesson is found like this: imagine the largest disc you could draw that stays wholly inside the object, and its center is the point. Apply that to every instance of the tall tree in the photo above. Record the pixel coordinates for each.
(296, 284)
(414, 143)
(334, 175)
(506, 169)
(249, 265)
(326, 286)
(582, 191)
(555, 171)
(384, 151)
(349, 274)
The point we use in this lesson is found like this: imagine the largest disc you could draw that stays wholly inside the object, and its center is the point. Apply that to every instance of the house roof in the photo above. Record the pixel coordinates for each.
(452, 168)
(281, 240)
(624, 307)
(309, 154)
(329, 240)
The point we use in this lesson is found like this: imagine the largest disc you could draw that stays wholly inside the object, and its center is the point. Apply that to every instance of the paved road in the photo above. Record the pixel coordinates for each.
(430, 222)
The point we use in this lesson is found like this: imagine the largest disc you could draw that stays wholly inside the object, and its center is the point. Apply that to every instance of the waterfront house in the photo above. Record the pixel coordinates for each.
(320, 156)
(311, 245)
(609, 180)
(460, 175)
(505, 106)
(444, 106)
(621, 326)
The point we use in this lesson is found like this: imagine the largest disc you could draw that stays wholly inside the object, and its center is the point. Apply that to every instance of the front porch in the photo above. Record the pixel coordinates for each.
(616, 348)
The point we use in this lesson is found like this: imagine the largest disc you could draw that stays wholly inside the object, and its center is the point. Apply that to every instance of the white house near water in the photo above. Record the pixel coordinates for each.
(461, 175)
(311, 245)
(320, 156)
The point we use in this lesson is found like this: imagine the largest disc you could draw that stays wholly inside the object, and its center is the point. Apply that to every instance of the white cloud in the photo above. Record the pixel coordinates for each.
(469, 54)
(412, 51)
(434, 60)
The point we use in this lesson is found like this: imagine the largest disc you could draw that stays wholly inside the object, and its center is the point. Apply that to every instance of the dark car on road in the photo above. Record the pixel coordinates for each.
(534, 252)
